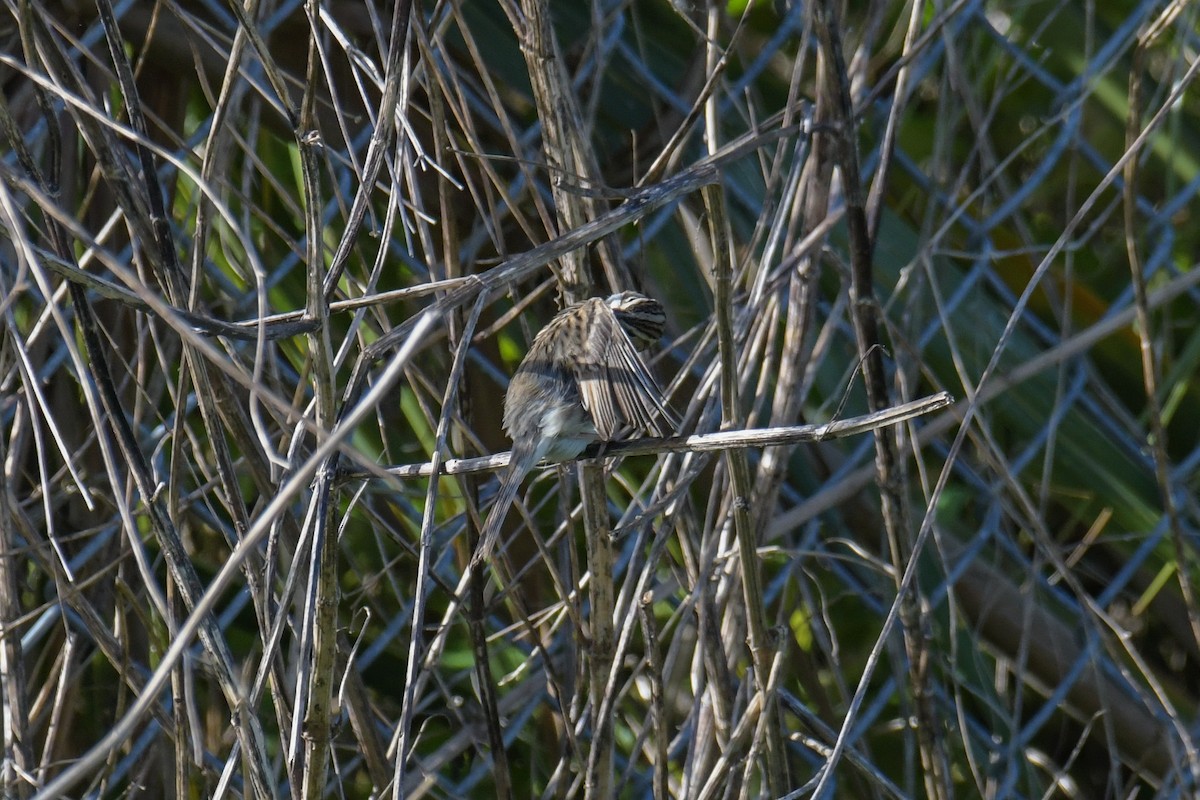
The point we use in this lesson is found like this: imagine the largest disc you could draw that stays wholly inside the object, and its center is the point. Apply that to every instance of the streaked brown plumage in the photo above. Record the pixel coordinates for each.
(581, 380)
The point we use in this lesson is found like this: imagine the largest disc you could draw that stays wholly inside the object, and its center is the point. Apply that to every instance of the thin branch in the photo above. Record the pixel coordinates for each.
(699, 443)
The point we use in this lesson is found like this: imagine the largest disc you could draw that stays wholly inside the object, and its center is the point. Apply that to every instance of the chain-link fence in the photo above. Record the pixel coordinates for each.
(257, 258)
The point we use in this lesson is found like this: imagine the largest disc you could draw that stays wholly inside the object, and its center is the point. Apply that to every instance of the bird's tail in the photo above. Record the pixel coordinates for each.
(509, 485)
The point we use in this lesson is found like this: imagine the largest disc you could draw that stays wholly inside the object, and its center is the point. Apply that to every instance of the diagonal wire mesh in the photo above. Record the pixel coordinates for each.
(255, 255)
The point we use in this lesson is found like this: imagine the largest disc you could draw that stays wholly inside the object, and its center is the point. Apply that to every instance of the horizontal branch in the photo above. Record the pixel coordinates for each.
(701, 442)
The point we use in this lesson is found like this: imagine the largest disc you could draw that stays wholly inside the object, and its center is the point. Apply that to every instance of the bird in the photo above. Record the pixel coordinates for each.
(582, 380)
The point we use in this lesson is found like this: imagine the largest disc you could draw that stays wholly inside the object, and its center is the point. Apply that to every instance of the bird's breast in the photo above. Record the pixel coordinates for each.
(567, 429)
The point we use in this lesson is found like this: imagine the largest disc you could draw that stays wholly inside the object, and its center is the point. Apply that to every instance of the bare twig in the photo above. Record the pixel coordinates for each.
(700, 443)
(891, 474)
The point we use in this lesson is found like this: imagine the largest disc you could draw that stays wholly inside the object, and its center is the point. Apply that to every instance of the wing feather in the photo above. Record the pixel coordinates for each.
(615, 385)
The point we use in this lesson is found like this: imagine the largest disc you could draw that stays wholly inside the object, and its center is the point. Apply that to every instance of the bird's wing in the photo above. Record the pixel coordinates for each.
(591, 372)
(615, 385)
